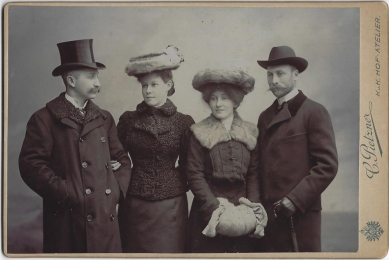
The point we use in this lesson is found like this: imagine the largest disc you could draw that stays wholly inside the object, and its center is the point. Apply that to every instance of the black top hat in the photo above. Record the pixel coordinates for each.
(284, 55)
(75, 55)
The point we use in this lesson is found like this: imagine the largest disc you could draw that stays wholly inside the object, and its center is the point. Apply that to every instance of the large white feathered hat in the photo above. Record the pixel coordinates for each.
(231, 72)
(170, 58)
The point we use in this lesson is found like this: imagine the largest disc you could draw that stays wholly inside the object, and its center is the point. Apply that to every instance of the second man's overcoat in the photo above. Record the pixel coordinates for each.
(298, 159)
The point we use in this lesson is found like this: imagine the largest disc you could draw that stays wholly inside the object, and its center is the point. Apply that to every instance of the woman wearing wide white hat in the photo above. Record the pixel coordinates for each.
(154, 215)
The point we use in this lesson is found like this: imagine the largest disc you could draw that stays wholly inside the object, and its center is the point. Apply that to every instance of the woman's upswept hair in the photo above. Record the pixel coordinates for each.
(234, 93)
(165, 75)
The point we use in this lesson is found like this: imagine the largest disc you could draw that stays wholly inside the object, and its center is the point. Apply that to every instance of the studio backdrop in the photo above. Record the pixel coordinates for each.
(327, 37)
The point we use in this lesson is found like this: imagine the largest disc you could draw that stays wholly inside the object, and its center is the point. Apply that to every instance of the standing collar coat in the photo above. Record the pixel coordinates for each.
(154, 138)
(65, 158)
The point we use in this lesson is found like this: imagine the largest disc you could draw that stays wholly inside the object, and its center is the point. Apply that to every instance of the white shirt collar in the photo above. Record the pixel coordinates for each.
(228, 122)
(288, 96)
(75, 101)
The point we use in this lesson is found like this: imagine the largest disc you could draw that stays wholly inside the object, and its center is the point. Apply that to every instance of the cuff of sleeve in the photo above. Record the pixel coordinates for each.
(260, 217)
(208, 208)
(210, 229)
(296, 201)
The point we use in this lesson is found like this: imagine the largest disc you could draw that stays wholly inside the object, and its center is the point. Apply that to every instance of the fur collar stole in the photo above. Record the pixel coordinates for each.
(211, 131)
(60, 108)
(167, 109)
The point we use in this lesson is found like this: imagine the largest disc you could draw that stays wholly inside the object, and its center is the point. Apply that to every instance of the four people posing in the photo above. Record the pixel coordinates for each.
(252, 184)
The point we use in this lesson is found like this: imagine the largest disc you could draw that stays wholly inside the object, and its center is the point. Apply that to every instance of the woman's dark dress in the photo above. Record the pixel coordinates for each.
(154, 215)
(224, 164)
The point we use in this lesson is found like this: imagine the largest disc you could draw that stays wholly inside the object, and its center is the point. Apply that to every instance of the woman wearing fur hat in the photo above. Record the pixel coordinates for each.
(222, 168)
(154, 215)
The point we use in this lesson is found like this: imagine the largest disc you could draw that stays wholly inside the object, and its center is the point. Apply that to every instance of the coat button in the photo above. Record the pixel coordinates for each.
(88, 191)
(89, 218)
(107, 191)
(84, 165)
(81, 140)
(106, 165)
(112, 218)
(102, 139)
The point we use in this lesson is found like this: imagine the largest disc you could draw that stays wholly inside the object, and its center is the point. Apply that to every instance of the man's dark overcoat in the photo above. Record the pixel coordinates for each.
(298, 159)
(65, 158)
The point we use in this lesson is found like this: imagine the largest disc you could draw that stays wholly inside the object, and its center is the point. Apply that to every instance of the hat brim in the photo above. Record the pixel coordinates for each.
(236, 77)
(300, 63)
(72, 66)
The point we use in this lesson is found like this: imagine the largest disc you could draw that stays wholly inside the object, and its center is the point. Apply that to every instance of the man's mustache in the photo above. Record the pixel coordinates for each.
(272, 88)
(94, 91)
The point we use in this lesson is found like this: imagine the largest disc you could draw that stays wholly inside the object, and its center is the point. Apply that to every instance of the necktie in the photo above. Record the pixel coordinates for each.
(280, 107)
(82, 111)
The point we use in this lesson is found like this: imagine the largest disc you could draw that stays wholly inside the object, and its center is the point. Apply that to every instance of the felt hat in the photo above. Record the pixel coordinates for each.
(170, 58)
(75, 55)
(233, 75)
(284, 55)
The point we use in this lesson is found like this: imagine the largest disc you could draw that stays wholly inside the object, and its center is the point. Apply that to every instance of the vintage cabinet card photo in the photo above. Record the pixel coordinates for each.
(194, 129)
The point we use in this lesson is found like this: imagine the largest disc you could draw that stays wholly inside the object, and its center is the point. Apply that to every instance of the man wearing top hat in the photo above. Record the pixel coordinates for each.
(65, 158)
(298, 158)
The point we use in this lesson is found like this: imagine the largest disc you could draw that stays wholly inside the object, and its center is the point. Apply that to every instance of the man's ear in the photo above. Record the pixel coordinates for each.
(295, 74)
(71, 81)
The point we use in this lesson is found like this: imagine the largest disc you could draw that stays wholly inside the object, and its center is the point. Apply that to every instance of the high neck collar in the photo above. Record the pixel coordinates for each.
(60, 108)
(288, 96)
(167, 109)
(75, 102)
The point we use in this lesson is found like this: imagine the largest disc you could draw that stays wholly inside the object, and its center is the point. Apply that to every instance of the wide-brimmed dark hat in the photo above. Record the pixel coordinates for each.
(75, 55)
(284, 55)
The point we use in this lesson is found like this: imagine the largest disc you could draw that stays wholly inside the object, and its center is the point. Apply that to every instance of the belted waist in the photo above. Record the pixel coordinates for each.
(166, 184)
(228, 190)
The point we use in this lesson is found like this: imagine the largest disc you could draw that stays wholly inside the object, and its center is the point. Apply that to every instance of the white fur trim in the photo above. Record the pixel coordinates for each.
(170, 58)
(211, 131)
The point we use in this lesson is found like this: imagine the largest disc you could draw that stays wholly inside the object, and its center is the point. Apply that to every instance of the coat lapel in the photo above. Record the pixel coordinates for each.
(290, 109)
(283, 115)
(92, 125)
(71, 123)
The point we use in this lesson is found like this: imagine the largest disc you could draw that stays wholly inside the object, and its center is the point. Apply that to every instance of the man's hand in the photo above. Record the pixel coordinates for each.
(284, 208)
(115, 165)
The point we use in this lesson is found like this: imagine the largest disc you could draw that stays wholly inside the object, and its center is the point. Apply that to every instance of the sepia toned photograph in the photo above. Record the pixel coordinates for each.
(194, 130)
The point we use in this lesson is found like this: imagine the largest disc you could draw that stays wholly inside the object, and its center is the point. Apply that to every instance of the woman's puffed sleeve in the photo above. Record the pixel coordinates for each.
(196, 179)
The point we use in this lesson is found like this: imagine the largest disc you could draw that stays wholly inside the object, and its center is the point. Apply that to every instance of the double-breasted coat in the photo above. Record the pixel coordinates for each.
(65, 158)
(298, 159)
